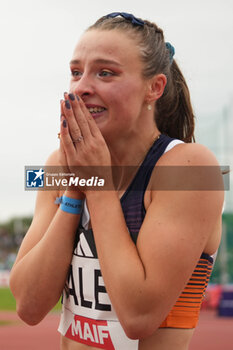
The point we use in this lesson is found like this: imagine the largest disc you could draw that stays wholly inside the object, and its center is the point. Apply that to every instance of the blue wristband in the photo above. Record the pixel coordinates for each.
(70, 205)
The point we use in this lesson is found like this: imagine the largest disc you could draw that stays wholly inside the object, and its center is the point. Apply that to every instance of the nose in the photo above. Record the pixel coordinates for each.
(82, 87)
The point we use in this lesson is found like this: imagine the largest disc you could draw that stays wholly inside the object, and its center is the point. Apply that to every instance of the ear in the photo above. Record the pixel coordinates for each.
(156, 86)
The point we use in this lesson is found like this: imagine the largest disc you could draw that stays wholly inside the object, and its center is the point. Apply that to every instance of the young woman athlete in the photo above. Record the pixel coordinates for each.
(134, 261)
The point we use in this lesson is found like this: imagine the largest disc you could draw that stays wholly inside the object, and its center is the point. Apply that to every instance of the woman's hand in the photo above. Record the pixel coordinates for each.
(62, 155)
(71, 191)
(84, 147)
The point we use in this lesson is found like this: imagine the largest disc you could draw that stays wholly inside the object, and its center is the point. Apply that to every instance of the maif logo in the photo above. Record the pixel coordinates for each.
(35, 178)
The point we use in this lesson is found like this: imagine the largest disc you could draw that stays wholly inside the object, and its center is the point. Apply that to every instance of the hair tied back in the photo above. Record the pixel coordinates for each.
(171, 50)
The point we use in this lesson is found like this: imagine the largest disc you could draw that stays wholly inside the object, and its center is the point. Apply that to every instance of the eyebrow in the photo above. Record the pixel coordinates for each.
(98, 61)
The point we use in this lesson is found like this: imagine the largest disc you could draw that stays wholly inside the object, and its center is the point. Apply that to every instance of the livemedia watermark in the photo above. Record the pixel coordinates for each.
(158, 178)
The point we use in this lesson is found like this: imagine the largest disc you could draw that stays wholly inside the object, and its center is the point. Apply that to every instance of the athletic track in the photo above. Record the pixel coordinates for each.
(212, 333)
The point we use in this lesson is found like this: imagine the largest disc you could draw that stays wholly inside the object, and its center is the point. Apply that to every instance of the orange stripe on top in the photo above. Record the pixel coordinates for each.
(185, 312)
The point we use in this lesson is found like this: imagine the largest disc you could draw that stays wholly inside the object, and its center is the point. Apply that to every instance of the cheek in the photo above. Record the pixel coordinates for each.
(129, 94)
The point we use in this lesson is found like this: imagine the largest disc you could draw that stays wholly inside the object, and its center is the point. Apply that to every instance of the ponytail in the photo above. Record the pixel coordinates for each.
(174, 114)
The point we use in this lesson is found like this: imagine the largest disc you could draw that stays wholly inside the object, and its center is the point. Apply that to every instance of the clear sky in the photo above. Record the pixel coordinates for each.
(37, 41)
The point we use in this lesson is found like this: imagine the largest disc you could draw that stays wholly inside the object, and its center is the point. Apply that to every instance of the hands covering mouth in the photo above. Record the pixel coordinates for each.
(81, 142)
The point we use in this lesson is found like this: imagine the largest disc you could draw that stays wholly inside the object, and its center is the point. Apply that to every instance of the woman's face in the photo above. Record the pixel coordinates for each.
(107, 73)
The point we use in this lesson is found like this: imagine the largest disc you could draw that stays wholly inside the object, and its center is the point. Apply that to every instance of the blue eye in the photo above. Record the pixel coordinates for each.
(76, 73)
(105, 73)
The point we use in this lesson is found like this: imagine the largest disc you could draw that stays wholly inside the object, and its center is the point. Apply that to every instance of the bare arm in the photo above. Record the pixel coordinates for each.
(39, 273)
(144, 281)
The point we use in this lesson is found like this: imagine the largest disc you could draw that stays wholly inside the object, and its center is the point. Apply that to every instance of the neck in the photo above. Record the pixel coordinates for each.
(127, 155)
(131, 150)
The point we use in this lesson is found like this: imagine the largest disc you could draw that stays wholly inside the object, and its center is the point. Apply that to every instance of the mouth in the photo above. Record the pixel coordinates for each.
(96, 111)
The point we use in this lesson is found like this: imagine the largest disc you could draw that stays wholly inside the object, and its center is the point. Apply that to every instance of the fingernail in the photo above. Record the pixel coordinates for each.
(65, 93)
(64, 123)
(71, 96)
(77, 97)
(67, 104)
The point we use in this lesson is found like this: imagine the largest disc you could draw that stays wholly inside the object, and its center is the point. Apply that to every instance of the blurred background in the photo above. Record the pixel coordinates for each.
(37, 41)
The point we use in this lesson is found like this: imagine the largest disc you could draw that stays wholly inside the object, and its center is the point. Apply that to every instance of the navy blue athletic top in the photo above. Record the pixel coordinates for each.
(88, 316)
(132, 201)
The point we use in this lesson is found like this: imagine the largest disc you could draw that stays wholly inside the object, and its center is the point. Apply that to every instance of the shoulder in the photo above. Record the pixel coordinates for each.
(188, 154)
(188, 173)
(51, 166)
(53, 159)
